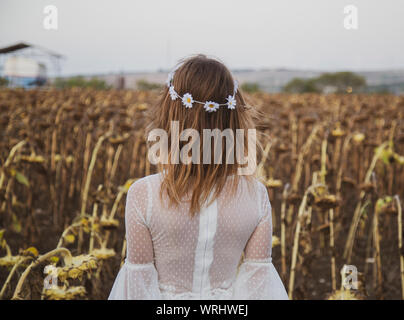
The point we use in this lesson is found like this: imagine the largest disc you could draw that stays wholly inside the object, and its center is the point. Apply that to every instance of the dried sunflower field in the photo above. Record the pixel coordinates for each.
(333, 165)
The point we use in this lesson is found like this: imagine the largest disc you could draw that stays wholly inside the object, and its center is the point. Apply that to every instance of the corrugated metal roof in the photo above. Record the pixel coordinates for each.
(23, 45)
(14, 47)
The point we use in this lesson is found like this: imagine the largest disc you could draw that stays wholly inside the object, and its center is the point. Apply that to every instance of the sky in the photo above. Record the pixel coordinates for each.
(99, 36)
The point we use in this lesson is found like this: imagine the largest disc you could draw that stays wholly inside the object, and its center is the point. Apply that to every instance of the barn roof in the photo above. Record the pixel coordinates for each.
(23, 45)
(14, 47)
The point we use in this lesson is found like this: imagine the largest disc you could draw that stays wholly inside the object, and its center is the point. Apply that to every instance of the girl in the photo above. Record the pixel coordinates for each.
(198, 229)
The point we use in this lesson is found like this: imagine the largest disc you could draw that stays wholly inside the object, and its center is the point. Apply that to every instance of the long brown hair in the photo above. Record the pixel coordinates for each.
(207, 80)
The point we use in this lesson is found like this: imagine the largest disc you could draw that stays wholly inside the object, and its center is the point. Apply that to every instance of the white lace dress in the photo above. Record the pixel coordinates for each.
(171, 255)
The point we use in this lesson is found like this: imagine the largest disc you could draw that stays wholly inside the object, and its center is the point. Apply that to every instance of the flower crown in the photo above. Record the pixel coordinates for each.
(188, 100)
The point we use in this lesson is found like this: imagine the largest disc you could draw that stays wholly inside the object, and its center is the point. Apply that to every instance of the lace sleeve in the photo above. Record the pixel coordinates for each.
(257, 278)
(138, 278)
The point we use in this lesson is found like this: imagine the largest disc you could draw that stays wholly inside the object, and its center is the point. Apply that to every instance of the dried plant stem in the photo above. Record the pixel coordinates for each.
(10, 275)
(369, 242)
(66, 231)
(332, 247)
(378, 281)
(108, 166)
(56, 187)
(356, 216)
(299, 166)
(116, 160)
(341, 169)
(72, 175)
(293, 125)
(93, 218)
(296, 238)
(123, 252)
(135, 150)
(86, 158)
(322, 174)
(314, 180)
(9, 159)
(89, 173)
(112, 214)
(323, 171)
(289, 214)
(296, 246)
(8, 191)
(54, 138)
(305, 149)
(33, 264)
(8, 250)
(337, 150)
(283, 229)
(88, 182)
(116, 203)
(400, 241)
(54, 170)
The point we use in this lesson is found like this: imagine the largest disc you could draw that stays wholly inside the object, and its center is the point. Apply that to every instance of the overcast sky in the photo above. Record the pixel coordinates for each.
(98, 36)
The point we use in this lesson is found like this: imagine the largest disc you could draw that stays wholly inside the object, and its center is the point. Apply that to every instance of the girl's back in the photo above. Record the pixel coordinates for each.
(198, 257)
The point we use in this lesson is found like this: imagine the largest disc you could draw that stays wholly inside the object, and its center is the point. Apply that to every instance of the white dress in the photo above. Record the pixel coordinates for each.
(172, 255)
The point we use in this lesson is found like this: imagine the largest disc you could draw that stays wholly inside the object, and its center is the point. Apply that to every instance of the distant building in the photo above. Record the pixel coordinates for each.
(26, 65)
(24, 72)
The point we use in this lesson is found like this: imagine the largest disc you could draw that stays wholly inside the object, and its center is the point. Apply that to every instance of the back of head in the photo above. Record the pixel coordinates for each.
(201, 95)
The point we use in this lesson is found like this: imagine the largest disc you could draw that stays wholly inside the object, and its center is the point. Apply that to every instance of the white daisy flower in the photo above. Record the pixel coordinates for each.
(172, 92)
(187, 100)
(169, 79)
(211, 106)
(231, 102)
(170, 76)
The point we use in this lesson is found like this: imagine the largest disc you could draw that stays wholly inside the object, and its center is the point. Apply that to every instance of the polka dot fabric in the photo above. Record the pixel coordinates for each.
(171, 255)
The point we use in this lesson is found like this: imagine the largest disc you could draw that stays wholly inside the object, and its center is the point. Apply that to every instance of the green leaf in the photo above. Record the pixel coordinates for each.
(21, 178)
(385, 157)
(16, 225)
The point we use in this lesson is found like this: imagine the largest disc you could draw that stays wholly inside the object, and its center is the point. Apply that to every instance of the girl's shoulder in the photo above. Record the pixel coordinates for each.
(248, 188)
(145, 182)
(252, 183)
(140, 196)
(260, 185)
(141, 191)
